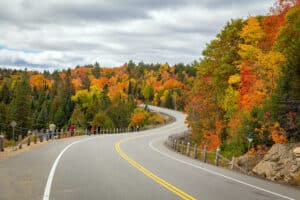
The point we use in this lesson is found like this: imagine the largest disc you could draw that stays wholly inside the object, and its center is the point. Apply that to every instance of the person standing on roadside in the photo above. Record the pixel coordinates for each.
(72, 129)
(52, 128)
(94, 129)
(89, 129)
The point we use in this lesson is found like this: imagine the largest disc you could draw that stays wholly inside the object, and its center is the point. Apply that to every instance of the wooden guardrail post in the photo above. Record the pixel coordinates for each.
(195, 151)
(176, 145)
(217, 156)
(20, 141)
(47, 135)
(34, 138)
(170, 142)
(188, 149)
(1, 142)
(182, 147)
(204, 154)
(232, 162)
(28, 140)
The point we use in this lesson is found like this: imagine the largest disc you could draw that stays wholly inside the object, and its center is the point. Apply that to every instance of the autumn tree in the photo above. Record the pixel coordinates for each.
(206, 99)
(139, 117)
(147, 92)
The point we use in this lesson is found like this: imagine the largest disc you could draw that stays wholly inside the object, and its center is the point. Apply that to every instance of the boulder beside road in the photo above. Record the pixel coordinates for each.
(297, 153)
(281, 164)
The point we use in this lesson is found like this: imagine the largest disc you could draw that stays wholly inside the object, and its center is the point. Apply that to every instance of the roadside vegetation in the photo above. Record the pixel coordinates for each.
(248, 84)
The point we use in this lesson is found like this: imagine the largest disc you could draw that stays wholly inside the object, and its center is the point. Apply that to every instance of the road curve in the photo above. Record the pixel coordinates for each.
(127, 166)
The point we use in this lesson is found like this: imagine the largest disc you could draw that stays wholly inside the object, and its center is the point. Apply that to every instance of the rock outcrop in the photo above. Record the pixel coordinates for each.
(297, 153)
(279, 164)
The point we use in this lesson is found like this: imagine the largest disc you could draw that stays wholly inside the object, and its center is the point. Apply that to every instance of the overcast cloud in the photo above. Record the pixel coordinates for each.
(53, 34)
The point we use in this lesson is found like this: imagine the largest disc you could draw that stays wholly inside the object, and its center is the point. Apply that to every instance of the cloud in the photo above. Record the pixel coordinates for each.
(73, 32)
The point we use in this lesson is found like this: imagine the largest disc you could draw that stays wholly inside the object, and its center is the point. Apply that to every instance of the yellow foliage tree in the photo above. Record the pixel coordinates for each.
(252, 32)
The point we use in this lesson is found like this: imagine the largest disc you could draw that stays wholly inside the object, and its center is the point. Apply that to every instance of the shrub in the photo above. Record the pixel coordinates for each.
(233, 149)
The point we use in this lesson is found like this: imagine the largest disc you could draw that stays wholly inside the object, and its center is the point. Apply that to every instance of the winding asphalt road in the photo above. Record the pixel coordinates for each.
(126, 166)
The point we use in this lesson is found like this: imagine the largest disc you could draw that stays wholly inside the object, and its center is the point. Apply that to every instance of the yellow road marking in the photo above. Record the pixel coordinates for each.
(148, 173)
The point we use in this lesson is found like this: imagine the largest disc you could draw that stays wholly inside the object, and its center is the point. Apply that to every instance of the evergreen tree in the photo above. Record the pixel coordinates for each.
(96, 71)
(5, 94)
(42, 117)
(3, 118)
(169, 101)
(20, 106)
(86, 83)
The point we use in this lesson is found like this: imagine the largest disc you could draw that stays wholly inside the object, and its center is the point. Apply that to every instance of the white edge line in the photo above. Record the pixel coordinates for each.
(52, 172)
(219, 174)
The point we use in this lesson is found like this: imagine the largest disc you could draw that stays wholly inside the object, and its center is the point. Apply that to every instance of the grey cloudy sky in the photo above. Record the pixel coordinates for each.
(51, 34)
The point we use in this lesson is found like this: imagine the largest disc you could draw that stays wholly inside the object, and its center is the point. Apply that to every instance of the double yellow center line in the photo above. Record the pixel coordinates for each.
(148, 173)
